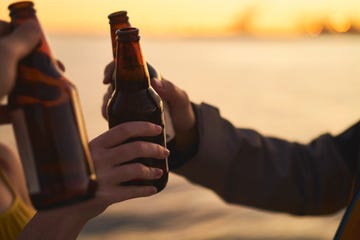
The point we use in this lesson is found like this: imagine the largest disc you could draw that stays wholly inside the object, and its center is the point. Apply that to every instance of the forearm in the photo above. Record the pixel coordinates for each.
(247, 168)
(54, 225)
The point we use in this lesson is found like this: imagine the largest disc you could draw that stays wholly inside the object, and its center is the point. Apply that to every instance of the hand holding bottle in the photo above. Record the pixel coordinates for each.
(108, 75)
(13, 47)
(110, 152)
(181, 112)
(135, 100)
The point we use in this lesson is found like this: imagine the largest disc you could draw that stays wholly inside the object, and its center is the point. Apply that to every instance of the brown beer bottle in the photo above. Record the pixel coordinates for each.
(119, 20)
(48, 126)
(135, 100)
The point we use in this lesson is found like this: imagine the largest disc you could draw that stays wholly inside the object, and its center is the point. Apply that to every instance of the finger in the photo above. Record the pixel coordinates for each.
(60, 65)
(139, 149)
(122, 193)
(13, 47)
(4, 115)
(175, 97)
(128, 172)
(120, 133)
(23, 39)
(179, 103)
(5, 28)
(106, 99)
(108, 72)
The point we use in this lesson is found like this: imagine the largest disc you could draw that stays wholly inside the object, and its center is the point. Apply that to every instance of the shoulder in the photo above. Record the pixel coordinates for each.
(6, 157)
(11, 165)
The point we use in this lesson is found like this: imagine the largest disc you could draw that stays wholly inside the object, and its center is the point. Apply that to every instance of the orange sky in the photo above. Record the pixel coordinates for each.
(187, 17)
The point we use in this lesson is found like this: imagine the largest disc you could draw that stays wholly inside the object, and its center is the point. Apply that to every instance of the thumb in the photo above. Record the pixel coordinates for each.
(176, 97)
(179, 103)
(159, 87)
(14, 47)
(23, 39)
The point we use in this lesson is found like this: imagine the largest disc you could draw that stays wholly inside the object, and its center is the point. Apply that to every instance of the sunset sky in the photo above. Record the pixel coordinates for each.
(188, 17)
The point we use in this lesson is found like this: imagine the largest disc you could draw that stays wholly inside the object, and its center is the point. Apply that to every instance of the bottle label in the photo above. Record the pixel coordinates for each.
(169, 127)
(25, 150)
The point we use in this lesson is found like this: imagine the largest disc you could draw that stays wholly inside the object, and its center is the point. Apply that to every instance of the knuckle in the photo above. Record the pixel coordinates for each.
(147, 149)
(141, 147)
(125, 130)
(159, 150)
(136, 170)
(145, 171)
(139, 168)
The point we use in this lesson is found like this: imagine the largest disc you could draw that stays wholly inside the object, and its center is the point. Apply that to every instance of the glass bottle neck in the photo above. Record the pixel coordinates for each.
(131, 70)
(21, 12)
(41, 57)
(117, 20)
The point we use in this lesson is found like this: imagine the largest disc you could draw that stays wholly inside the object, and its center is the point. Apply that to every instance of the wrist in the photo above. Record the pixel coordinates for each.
(184, 146)
(55, 224)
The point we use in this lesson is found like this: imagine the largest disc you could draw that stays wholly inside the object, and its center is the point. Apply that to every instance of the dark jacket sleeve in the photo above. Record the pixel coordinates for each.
(244, 167)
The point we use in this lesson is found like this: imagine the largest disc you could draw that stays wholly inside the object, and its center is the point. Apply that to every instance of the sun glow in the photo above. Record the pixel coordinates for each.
(201, 18)
(339, 22)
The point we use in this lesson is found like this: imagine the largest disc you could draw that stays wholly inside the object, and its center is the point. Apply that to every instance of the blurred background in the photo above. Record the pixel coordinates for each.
(204, 17)
(285, 68)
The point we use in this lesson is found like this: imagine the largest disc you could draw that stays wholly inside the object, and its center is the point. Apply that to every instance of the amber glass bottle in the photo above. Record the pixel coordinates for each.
(119, 20)
(48, 126)
(134, 99)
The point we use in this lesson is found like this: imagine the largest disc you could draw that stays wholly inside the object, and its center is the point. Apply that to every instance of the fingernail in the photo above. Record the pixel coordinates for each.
(158, 172)
(158, 128)
(152, 190)
(166, 152)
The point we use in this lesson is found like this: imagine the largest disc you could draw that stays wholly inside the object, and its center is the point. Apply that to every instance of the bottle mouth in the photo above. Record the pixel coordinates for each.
(128, 34)
(118, 16)
(22, 9)
(21, 4)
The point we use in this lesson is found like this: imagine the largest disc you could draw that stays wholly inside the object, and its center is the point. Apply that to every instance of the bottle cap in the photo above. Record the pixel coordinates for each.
(119, 16)
(28, 6)
(128, 34)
